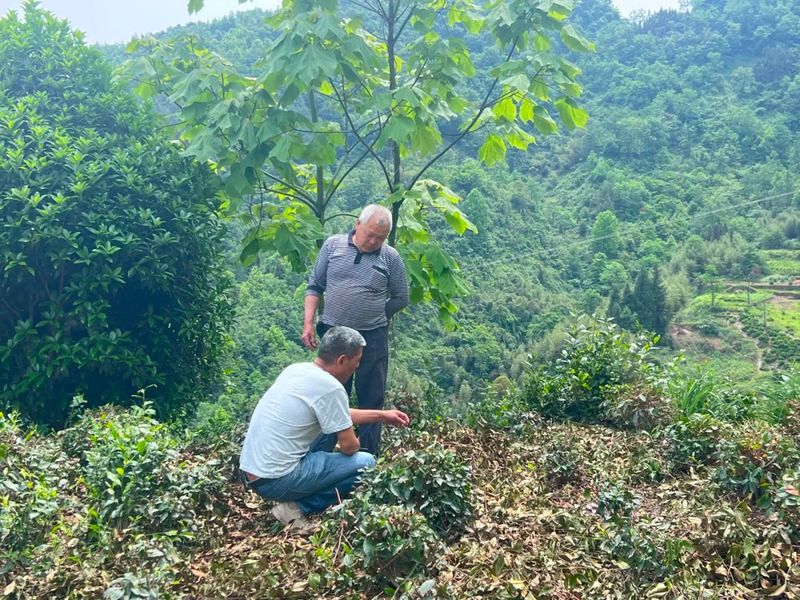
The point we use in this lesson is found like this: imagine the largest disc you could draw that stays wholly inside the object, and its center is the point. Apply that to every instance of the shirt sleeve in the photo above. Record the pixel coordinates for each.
(398, 285)
(318, 280)
(333, 412)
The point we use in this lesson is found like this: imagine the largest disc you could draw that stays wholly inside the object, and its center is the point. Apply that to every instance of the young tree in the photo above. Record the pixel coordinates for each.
(711, 281)
(605, 234)
(391, 83)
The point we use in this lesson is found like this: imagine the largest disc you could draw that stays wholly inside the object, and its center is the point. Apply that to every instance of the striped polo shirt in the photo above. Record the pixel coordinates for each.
(362, 289)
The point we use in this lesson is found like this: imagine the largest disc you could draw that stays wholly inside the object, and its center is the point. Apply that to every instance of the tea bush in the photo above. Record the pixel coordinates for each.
(694, 440)
(132, 586)
(501, 410)
(432, 480)
(636, 407)
(135, 474)
(749, 553)
(616, 500)
(787, 499)
(388, 543)
(603, 374)
(558, 462)
(32, 481)
(753, 461)
(114, 498)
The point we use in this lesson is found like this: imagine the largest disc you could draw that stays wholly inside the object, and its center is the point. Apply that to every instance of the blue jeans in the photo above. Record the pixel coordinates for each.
(319, 479)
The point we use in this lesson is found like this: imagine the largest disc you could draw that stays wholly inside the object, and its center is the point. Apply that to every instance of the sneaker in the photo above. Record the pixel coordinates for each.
(286, 512)
(290, 514)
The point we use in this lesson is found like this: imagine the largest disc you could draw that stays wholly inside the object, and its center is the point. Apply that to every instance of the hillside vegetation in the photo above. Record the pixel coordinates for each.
(616, 414)
(685, 167)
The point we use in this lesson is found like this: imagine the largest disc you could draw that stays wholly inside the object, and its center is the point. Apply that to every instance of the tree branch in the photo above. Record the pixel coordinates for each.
(300, 191)
(411, 10)
(335, 184)
(367, 146)
(484, 105)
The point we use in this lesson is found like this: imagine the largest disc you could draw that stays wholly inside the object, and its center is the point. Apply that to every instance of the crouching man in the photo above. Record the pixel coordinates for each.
(288, 455)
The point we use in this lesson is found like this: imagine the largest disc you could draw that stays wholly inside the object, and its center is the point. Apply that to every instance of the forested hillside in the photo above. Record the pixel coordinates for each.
(604, 392)
(684, 173)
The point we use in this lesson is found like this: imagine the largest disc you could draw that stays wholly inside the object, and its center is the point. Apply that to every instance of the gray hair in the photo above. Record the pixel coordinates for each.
(337, 341)
(376, 211)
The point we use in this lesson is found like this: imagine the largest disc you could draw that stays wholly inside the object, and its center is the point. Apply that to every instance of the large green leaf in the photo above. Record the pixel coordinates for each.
(571, 114)
(492, 150)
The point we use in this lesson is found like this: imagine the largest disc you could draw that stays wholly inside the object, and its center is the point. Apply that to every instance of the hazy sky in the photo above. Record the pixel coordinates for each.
(119, 20)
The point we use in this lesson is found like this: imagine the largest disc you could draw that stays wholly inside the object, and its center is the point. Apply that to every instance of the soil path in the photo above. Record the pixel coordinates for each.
(759, 352)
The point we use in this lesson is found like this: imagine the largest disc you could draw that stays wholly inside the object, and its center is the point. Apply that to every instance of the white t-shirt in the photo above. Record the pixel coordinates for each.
(303, 402)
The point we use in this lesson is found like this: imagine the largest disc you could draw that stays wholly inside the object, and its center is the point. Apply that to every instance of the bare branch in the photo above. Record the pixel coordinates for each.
(337, 215)
(335, 184)
(368, 147)
(300, 191)
(411, 10)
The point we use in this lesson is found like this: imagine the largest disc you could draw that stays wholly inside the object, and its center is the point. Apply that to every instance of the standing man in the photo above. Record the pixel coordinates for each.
(364, 283)
(288, 455)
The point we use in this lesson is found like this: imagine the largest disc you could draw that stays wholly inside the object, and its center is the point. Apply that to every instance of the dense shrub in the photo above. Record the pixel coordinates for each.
(389, 543)
(602, 374)
(112, 277)
(694, 440)
(432, 480)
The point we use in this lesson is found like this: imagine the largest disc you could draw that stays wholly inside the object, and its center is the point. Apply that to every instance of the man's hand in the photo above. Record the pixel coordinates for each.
(395, 417)
(309, 337)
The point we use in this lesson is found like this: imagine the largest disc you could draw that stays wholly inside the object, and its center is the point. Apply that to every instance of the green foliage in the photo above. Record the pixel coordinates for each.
(112, 279)
(432, 480)
(290, 137)
(134, 474)
(605, 234)
(695, 440)
(109, 503)
(637, 406)
(389, 543)
(131, 586)
(559, 462)
(753, 463)
(264, 334)
(497, 409)
(643, 306)
(602, 373)
(692, 394)
(30, 485)
(787, 499)
(708, 393)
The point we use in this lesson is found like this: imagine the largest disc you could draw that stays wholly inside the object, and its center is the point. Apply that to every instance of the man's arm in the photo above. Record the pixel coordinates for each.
(365, 416)
(348, 442)
(398, 286)
(309, 336)
(317, 282)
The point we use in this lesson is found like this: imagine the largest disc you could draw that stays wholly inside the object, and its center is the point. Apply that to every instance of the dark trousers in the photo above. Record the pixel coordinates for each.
(370, 381)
